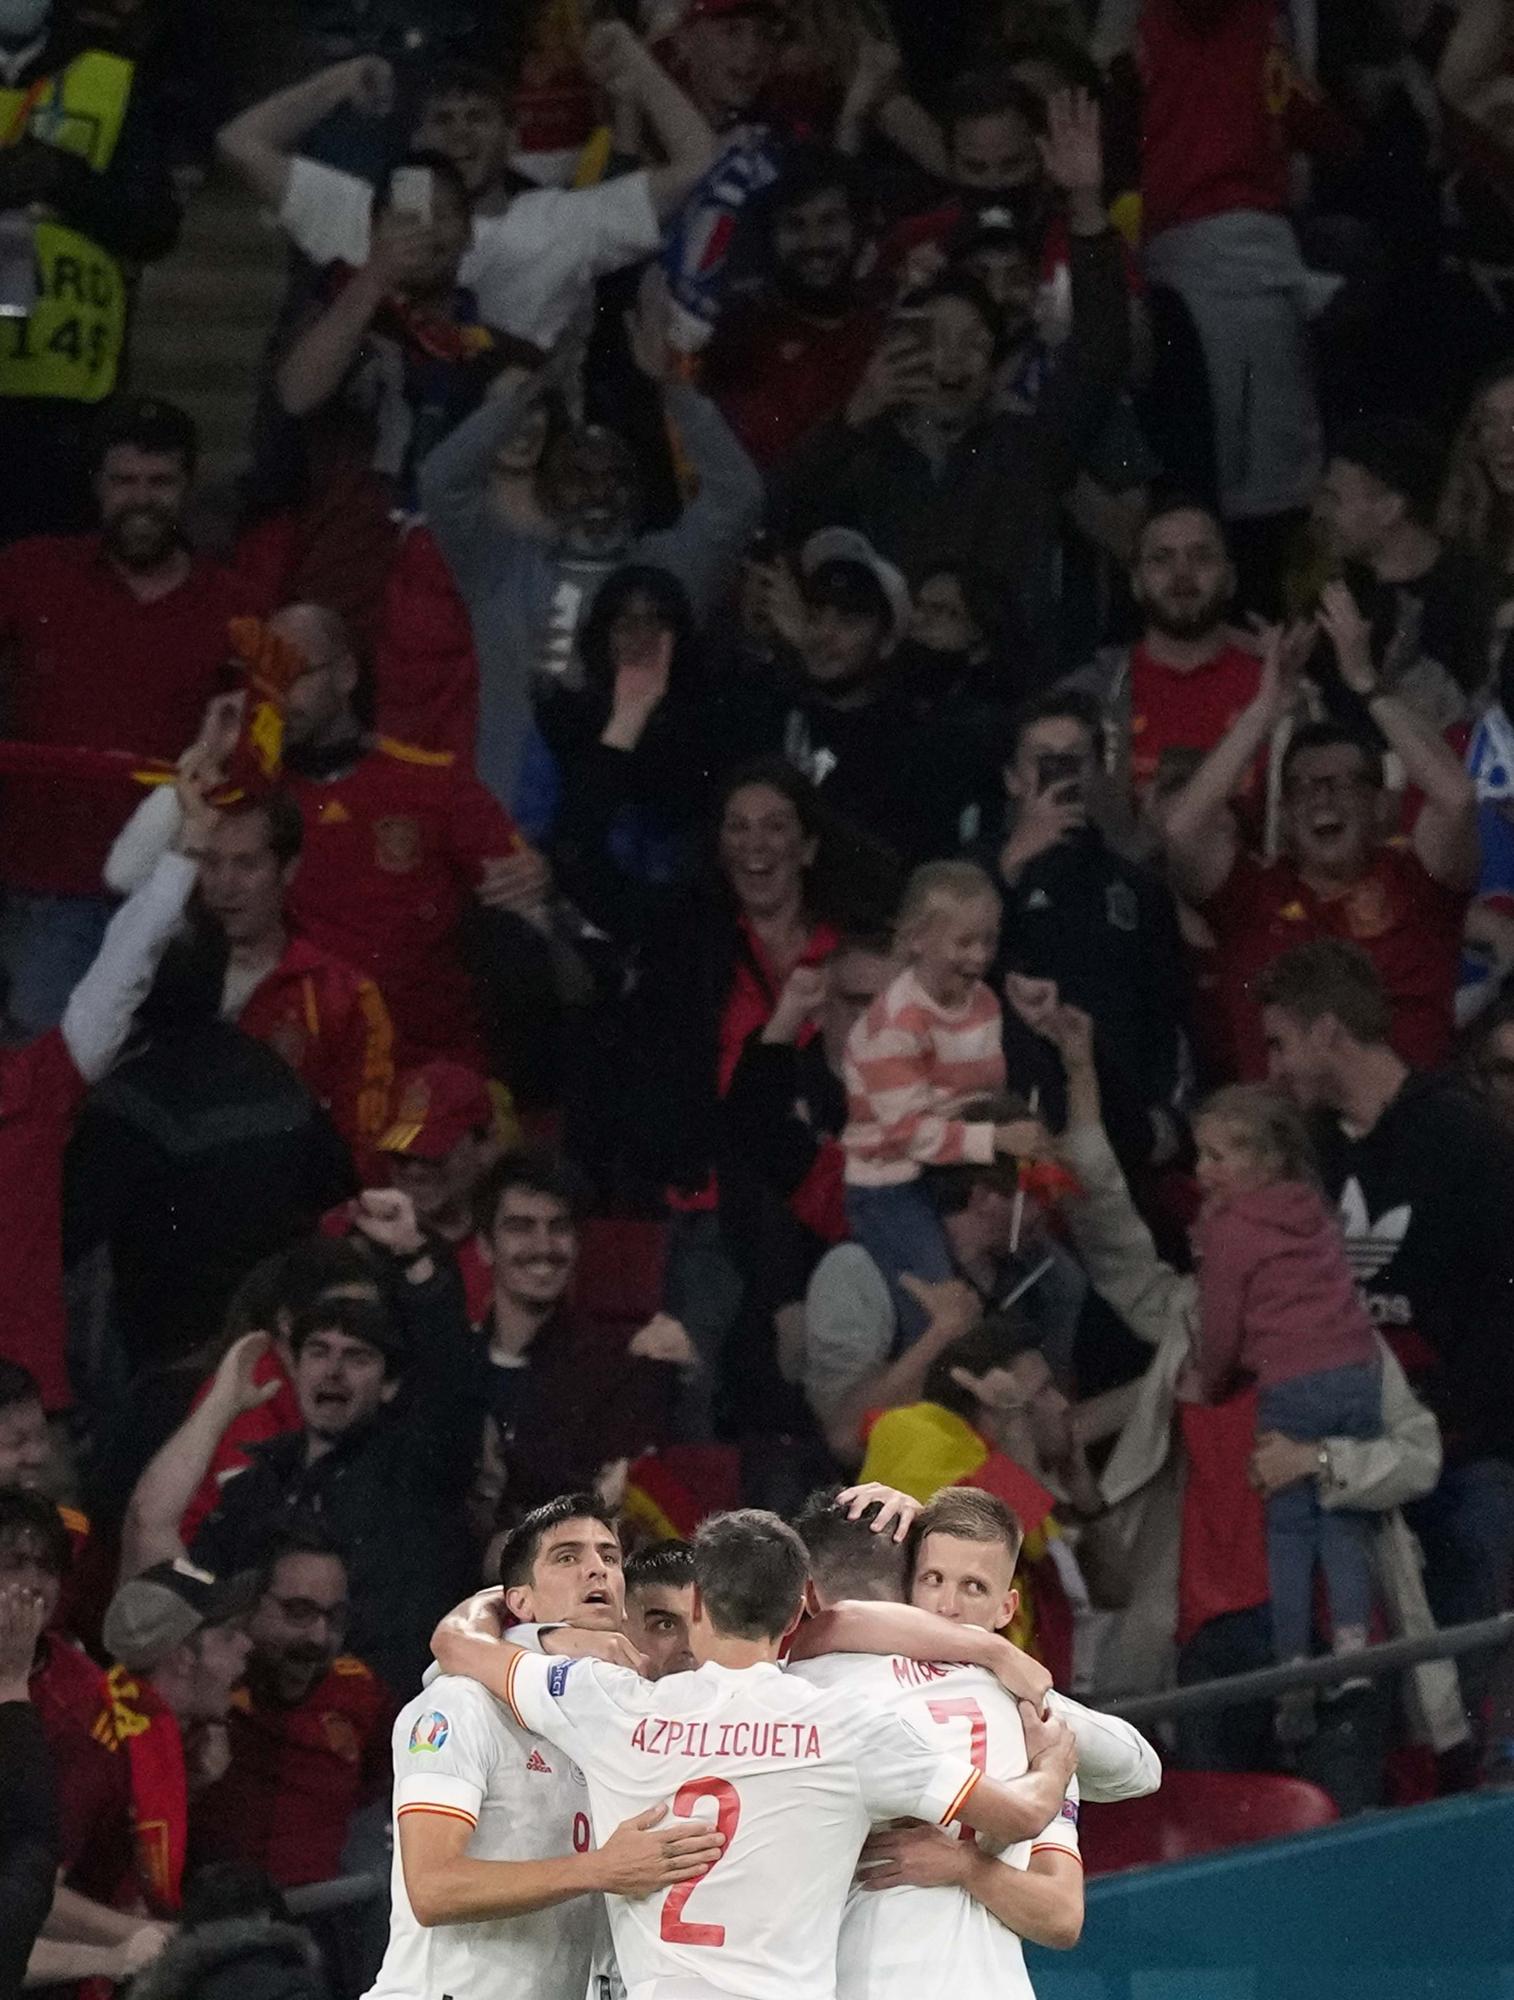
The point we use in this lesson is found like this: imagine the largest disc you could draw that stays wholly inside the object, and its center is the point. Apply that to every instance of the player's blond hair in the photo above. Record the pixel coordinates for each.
(969, 1515)
(950, 882)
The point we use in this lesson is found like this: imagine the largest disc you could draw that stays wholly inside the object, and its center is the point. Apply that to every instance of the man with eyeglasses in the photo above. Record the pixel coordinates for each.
(309, 1733)
(1340, 875)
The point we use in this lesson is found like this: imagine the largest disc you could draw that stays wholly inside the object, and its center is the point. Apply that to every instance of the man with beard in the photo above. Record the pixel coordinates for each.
(1169, 698)
(114, 642)
(787, 358)
(1403, 903)
(309, 1732)
(566, 1400)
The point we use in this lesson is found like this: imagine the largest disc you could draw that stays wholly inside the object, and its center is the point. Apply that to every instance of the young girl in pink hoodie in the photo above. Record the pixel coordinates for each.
(1278, 1305)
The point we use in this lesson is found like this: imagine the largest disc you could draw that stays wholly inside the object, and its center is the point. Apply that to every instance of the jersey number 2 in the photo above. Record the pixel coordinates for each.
(948, 1711)
(727, 1817)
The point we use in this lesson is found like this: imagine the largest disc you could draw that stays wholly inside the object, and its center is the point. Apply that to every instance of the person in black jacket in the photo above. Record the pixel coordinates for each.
(198, 1157)
(391, 1400)
(1423, 1173)
(1080, 918)
(236, 1942)
(28, 1816)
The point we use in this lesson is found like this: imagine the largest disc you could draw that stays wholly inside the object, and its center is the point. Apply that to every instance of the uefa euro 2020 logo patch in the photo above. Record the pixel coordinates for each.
(429, 1732)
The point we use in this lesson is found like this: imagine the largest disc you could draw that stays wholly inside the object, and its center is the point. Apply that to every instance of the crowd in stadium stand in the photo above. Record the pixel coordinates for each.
(836, 801)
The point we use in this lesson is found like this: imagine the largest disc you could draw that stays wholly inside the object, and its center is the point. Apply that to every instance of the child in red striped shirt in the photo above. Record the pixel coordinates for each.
(929, 1044)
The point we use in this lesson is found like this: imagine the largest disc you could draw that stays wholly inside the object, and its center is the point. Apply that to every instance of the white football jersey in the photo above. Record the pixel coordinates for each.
(937, 1944)
(458, 1751)
(792, 1775)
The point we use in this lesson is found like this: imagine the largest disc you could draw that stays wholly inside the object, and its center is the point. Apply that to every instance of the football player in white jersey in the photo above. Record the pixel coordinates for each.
(497, 1882)
(793, 1776)
(950, 1924)
(659, 1605)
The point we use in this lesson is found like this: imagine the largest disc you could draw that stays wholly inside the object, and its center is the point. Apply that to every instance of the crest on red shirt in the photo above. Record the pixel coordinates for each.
(1368, 910)
(341, 1737)
(397, 844)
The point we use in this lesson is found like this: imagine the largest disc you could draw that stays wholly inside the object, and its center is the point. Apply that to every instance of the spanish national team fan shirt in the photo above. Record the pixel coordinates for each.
(93, 667)
(1215, 85)
(459, 1753)
(393, 852)
(937, 1944)
(1173, 712)
(792, 1776)
(1401, 917)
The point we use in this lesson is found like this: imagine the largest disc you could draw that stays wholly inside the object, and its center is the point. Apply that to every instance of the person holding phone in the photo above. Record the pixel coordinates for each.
(1081, 918)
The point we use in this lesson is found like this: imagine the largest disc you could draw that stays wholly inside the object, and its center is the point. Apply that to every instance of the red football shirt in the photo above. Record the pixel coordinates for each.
(92, 666)
(331, 1026)
(393, 852)
(91, 1776)
(1405, 921)
(40, 1092)
(1170, 710)
(776, 375)
(296, 1777)
(1217, 79)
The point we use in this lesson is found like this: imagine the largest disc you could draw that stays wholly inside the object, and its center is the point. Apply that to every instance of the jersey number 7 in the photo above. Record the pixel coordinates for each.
(948, 1711)
(727, 1818)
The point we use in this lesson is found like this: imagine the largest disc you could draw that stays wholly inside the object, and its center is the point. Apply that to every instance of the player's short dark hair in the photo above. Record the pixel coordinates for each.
(665, 1565)
(750, 1568)
(1331, 736)
(18, 1386)
(536, 1169)
(149, 423)
(996, 1342)
(971, 1516)
(521, 1547)
(281, 817)
(1403, 455)
(846, 1558)
(23, 1512)
(435, 163)
(1328, 976)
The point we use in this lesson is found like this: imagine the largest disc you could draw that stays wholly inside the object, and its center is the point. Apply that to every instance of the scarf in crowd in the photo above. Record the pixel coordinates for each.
(137, 1720)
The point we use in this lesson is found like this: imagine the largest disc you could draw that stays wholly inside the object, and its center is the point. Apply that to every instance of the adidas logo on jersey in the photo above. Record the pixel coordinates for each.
(536, 1762)
(1371, 1243)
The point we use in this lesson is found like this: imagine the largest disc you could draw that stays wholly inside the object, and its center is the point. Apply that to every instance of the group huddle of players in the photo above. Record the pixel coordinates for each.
(800, 1762)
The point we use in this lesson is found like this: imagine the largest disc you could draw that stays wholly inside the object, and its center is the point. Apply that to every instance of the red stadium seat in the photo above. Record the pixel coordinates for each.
(1200, 1812)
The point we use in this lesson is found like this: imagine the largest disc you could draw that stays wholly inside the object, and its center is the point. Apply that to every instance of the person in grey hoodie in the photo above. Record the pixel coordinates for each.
(528, 594)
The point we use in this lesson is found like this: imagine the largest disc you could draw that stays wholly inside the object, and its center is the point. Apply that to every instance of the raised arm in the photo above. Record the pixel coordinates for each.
(161, 1497)
(622, 64)
(319, 358)
(455, 478)
(1445, 833)
(102, 1007)
(260, 142)
(1198, 830)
